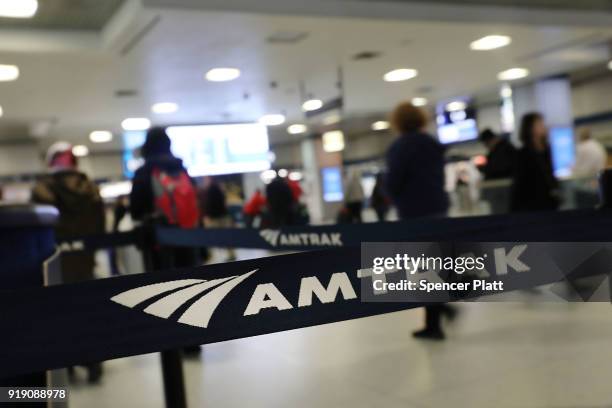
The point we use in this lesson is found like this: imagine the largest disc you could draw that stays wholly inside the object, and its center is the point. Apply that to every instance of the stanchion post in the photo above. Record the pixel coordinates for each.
(605, 195)
(605, 188)
(171, 360)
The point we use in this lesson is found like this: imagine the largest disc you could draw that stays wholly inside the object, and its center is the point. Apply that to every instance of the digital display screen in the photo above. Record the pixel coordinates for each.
(209, 150)
(457, 126)
(332, 184)
(563, 150)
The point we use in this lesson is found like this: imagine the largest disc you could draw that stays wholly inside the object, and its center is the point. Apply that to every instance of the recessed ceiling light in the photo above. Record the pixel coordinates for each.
(419, 101)
(9, 72)
(80, 150)
(490, 42)
(164, 107)
(222, 74)
(512, 74)
(380, 125)
(136, 124)
(402, 74)
(297, 129)
(272, 119)
(312, 104)
(101, 136)
(456, 106)
(18, 8)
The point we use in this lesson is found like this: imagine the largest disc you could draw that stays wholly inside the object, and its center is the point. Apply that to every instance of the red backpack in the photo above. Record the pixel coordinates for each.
(176, 198)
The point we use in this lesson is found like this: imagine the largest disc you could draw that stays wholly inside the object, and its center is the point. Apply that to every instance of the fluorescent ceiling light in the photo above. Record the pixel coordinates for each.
(401, 74)
(272, 119)
(610, 65)
(490, 42)
(419, 101)
(333, 141)
(222, 74)
(18, 8)
(136, 124)
(297, 129)
(80, 150)
(295, 175)
(164, 107)
(456, 106)
(380, 125)
(100, 136)
(512, 74)
(312, 105)
(1, 111)
(268, 175)
(9, 72)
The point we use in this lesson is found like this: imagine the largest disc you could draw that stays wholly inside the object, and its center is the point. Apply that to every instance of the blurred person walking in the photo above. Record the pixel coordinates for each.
(415, 183)
(534, 186)
(501, 157)
(353, 197)
(281, 206)
(379, 200)
(81, 213)
(591, 156)
(214, 211)
(163, 193)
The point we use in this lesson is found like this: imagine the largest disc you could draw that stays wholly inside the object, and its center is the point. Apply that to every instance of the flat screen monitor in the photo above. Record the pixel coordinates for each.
(332, 184)
(562, 146)
(457, 126)
(209, 150)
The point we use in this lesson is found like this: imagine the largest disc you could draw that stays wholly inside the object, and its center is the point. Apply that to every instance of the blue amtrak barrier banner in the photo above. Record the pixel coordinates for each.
(583, 225)
(580, 225)
(59, 326)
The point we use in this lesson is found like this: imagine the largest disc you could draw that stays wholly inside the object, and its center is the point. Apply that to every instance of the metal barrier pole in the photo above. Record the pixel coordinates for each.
(174, 382)
(171, 360)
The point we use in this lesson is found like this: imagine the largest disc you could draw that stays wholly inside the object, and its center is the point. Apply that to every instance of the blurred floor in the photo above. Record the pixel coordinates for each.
(497, 355)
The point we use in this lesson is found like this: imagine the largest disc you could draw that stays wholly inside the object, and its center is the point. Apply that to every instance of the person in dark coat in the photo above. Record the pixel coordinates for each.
(81, 213)
(280, 205)
(415, 166)
(157, 155)
(379, 199)
(415, 183)
(534, 187)
(501, 157)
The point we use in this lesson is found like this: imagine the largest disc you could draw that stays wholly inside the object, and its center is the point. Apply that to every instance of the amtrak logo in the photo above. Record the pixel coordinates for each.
(199, 313)
(276, 237)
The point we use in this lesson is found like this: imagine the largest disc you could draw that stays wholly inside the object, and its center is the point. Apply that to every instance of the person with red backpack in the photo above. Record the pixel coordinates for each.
(163, 193)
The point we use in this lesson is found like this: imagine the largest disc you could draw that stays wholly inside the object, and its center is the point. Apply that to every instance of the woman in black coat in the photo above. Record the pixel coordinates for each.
(534, 187)
(415, 183)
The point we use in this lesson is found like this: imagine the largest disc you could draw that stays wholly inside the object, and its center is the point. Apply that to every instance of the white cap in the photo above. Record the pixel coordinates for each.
(56, 148)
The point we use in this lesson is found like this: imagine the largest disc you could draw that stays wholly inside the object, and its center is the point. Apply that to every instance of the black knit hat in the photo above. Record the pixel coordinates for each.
(157, 143)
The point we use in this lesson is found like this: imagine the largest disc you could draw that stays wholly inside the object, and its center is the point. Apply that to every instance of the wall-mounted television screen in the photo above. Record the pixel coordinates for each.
(332, 184)
(457, 125)
(563, 150)
(208, 150)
